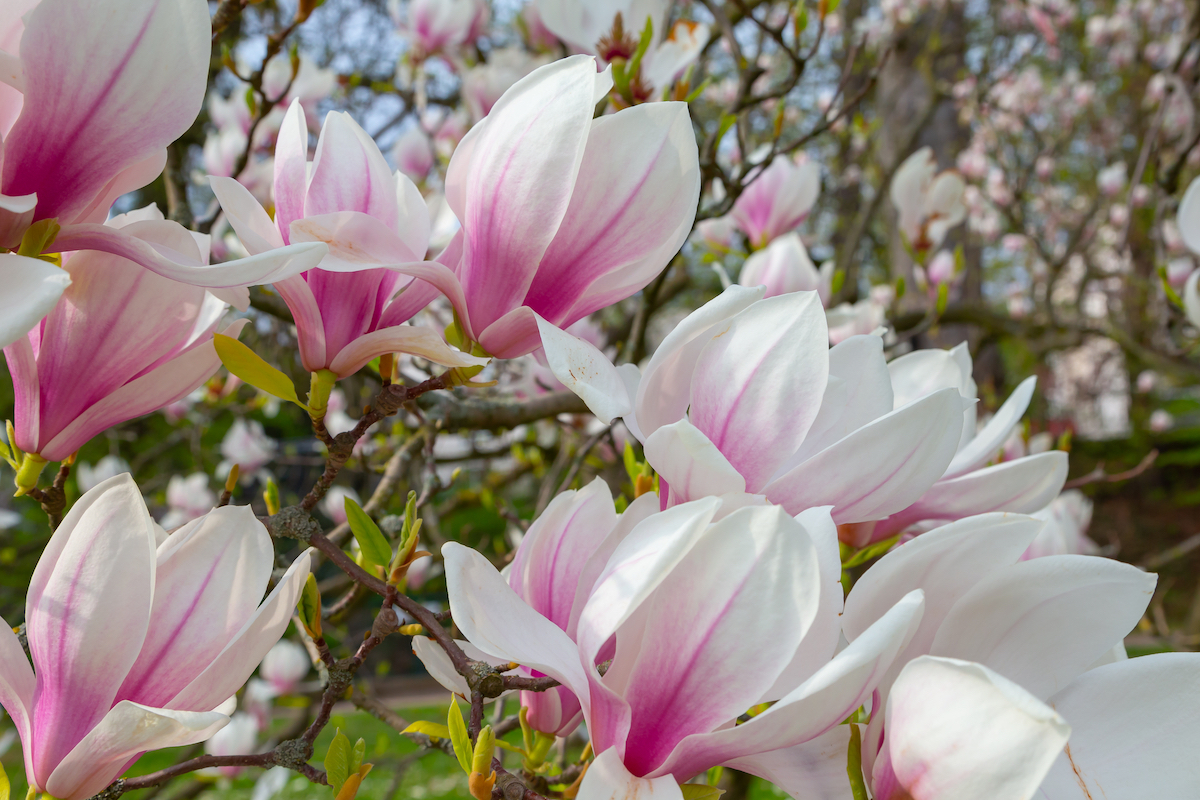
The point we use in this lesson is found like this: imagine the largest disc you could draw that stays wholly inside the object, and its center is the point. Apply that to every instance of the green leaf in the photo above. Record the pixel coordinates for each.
(458, 736)
(900, 287)
(870, 551)
(4, 787)
(376, 549)
(943, 298)
(643, 46)
(337, 761)
(700, 791)
(246, 364)
(309, 607)
(430, 729)
(726, 123)
(357, 755)
(839, 279)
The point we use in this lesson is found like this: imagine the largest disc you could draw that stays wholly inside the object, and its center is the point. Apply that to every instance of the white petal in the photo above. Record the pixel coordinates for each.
(583, 369)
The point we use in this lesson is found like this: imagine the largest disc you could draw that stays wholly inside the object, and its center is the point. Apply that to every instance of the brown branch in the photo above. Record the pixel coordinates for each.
(1098, 475)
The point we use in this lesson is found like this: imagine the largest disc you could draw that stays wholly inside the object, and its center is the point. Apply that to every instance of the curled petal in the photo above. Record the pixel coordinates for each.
(424, 342)
(31, 287)
(587, 372)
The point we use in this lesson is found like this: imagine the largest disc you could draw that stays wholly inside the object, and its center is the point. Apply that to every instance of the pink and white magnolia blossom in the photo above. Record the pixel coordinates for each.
(929, 203)
(413, 153)
(1189, 231)
(762, 602)
(92, 94)
(783, 266)
(777, 200)
(138, 639)
(969, 485)
(285, 665)
(745, 395)
(483, 85)
(868, 315)
(583, 23)
(247, 445)
(436, 26)
(29, 288)
(1052, 626)
(1065, 532)
(562, 214)
(351, 308)
(187, 499)
(121, 342)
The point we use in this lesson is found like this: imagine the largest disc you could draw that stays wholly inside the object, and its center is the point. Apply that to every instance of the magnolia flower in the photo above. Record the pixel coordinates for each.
(238, 738)
(334, 502)
(868, 315)
(485, 84)
(1065, 532)
(248, 446)
(928, 203)
(587, 26)
(98, 92)
(88, 476)
(29, 288)
(969, 486)
(784, 266)
(413, 153)
(562, 214)
(778, 200)
(1189, 230)
(665, 708)
(136, 637)
(347, 311)
(716, 233)
(433, 26)
(1053, 627)
(285, 665)
(1112, 179)
(187, 499)
(120, 343)
(746, 396)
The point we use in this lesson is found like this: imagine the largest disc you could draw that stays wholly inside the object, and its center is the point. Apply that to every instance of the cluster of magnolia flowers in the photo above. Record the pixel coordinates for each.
(707, 623)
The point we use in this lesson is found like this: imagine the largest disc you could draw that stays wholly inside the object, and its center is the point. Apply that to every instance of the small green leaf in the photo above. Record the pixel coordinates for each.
(4, 787)
(700, 791)
(900, 287)
(337, 761)
(943, 298)
(357, 755)
(430, 729)
(643, 46)
(459, 737)
(631, 462)
(309, 607)
(726, 123)
(247, 365)
(839, 279)
(870, 551)
(376, 549)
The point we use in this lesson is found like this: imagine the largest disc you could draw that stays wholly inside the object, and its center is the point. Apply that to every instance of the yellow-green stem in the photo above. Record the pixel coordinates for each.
(27, 476)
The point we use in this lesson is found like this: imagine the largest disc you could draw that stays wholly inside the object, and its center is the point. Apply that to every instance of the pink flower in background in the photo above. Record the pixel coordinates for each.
(969, 485)
(187, 499)
(783, 266)
(88, 476)
(413, 153)
(745, 395)
(868, 315)
(122, 342)
(716, 233)
(434, 26)
(1065, 532)
(483, 85)
(562, 214)
(187, 610)
(334, 502)
(248, 446)
(664, 710)
(352, 308)
(238, 738)
(778, 200)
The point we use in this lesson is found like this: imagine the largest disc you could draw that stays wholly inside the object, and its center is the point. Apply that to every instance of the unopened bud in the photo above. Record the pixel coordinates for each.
(642, 484)
(232, 478)
(483, 778)
(27, 476)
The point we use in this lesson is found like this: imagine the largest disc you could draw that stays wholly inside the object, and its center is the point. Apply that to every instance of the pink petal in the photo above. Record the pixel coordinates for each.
(418, 341)
(753, 576)
(127, 180)
(547, 566)
(693, 466)
(263, 268)
(250, 221)
(351, 303)
(17, 686)
(27, 403)
(958, 731)
(622, 226)
(92, 587)
(158, 388)
(127, 731)
(608, 779)
(771, 364)
(210, 577)
(881, 467)
(226, 673)
(513, 335)
(777, 200)
(1043, 622)
(816, 768)
(310, 328)
(812, 708)
(31, 288)
(665, 390)
(291, 169)
(782, 267)
(522, 171)
(350, 174)
(106, 85)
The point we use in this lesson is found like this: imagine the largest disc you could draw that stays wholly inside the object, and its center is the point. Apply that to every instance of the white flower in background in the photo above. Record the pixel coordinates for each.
(1160, 420)
(1112, 179)
(88, 476)
(238, 738)
(284, 666)
(334, 503)
(248, 446)
(482, 85)
(187, 499)
(1065, 531)
(336, 419)
(928, 203)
